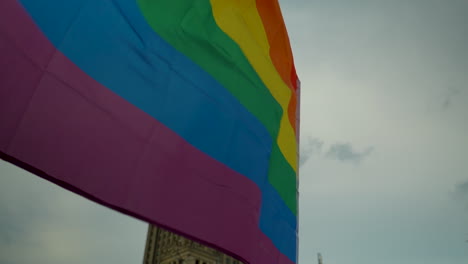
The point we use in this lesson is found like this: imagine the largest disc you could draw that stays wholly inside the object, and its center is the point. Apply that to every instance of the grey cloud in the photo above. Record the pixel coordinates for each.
(462, 189)
(313, 146)
(345, 152)
(461, 193)
(449, 97)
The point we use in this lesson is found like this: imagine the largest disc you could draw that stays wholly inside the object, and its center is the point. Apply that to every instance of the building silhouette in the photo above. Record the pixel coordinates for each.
(165, 247)
(320, 259)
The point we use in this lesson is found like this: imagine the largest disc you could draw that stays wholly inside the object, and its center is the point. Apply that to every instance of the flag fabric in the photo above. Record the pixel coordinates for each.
(182, 113)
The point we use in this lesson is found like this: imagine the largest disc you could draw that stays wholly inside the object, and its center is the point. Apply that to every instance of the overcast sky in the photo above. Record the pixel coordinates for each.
(384, 143)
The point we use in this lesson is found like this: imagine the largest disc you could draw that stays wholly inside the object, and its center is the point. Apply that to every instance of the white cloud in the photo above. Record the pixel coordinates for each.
(383, 74)
(44, 224)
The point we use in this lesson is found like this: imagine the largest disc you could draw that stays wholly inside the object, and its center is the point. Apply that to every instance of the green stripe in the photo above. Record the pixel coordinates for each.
(282, 176)
(189, 26)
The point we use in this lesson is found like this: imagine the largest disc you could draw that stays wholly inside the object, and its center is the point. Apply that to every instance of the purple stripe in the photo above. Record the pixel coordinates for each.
(60, 124)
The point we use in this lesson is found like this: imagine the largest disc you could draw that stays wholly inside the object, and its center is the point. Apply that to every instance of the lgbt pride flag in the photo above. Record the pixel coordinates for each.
(183, 113)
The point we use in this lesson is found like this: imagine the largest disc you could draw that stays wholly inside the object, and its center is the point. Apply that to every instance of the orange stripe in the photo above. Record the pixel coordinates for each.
(241, 21)
(280, 49)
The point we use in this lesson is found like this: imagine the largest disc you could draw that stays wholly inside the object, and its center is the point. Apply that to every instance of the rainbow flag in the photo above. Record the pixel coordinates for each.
(182, 113)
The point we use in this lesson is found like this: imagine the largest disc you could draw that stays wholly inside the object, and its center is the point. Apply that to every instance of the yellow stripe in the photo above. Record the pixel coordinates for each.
(241, 21)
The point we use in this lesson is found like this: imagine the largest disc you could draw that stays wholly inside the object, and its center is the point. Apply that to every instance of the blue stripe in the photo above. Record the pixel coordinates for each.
(112, 42)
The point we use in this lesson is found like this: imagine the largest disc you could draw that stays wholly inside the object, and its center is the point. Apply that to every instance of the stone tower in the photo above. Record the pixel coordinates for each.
(164, 247)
